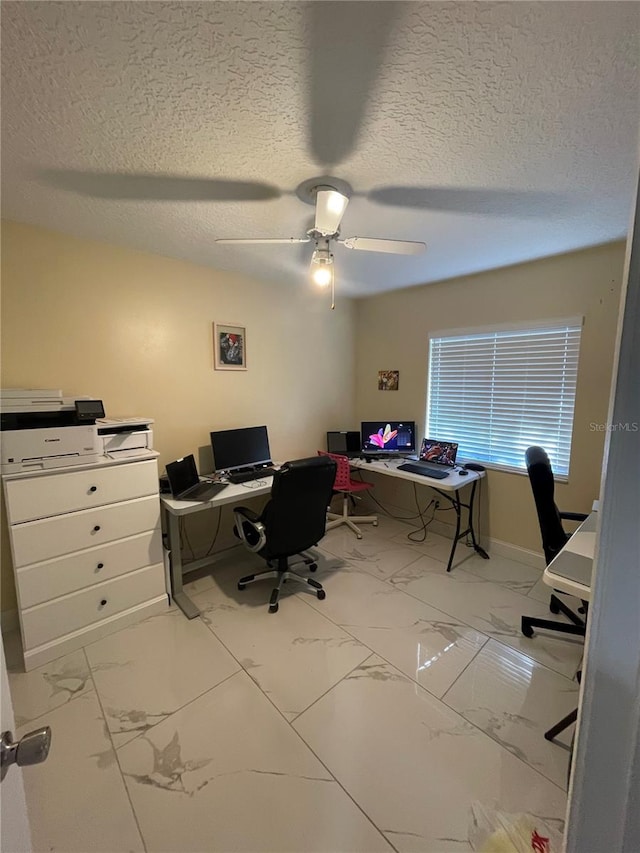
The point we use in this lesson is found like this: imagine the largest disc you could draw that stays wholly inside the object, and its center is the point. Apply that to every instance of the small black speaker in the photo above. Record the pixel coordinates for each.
(343, 441)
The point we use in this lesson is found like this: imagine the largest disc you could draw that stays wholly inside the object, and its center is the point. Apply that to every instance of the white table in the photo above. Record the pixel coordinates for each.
(173, 510)
(570, 570)
(448, 488)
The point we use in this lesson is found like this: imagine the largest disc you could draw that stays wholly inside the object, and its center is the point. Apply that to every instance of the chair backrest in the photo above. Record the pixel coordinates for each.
(542, 486)
(343, 470)
(295, 518)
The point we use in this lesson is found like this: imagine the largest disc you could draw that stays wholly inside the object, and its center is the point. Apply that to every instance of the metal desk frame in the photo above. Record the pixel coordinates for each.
(174, 510)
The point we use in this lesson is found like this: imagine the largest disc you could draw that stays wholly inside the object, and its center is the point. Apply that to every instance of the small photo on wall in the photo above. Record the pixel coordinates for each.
(229, 347)
(388, 380)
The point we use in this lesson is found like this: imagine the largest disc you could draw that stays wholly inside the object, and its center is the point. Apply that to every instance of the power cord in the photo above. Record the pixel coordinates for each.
(422, 531)
(184, 538)
(254, 484)
(215, 535)
(390, 514)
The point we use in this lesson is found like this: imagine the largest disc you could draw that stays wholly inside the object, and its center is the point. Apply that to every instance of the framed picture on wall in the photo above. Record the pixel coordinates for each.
(388, 380)
(229, 347)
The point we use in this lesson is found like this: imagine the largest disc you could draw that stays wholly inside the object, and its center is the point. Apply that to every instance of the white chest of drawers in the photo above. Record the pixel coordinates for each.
(87, 553)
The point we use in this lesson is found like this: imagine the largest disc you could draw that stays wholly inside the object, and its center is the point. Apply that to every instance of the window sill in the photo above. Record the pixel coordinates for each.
(510, 469)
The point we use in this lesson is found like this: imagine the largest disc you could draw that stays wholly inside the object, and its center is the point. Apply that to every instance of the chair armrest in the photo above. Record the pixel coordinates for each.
(249, 528)
(249, 514)
(574, 516)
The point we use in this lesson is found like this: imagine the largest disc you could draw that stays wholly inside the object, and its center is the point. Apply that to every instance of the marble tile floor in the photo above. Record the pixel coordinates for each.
(369, 721)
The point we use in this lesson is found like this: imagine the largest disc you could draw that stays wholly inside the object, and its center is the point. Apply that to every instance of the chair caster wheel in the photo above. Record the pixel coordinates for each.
(321, 594)
(374, 524)
(527, 630)
(241, 586)
(359, 536)
(313, 567)
(273, 608)
(553, 607)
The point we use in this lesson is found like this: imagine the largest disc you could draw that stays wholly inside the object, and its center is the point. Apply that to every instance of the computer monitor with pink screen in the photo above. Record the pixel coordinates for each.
(388, 437)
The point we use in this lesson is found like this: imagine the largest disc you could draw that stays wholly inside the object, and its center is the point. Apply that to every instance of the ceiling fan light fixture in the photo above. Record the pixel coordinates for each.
(330, 208)
(322, 267)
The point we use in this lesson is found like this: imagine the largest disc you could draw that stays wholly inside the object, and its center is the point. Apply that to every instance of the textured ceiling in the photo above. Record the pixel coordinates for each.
(494, 132)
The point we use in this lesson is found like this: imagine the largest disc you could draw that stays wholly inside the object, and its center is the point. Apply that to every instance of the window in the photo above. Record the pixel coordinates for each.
(497, 392)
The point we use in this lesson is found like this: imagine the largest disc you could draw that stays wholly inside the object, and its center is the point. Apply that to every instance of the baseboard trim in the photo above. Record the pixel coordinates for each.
(515, 552)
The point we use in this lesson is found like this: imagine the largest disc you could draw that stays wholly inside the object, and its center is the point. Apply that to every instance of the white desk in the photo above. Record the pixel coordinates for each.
(174, 510)
(570, 570)
(448, 488)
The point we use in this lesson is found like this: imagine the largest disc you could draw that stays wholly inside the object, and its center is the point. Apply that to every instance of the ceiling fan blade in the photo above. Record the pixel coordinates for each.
(152, 187)
(347, 42)
(490, 202)
(247, 240)
(395, 247)
(330, 208)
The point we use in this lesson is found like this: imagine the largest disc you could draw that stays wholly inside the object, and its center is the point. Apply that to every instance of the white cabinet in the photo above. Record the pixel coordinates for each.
(87, 553)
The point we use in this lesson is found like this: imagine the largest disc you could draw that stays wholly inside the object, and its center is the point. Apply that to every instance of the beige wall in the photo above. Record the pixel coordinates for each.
(136, 331)
(392, 333)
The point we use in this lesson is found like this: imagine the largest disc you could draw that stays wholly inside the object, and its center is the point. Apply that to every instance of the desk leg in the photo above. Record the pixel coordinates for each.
(477, 548)
(179, 596)
(457, 504)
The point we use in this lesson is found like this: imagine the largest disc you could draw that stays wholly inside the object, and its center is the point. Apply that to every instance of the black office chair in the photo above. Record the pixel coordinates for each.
(293, 520)
(554, 538)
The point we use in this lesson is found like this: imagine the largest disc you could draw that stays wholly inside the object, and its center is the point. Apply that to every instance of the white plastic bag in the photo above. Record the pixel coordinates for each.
(492, 831)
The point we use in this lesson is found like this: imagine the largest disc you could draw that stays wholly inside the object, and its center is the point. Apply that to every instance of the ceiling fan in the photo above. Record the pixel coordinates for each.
(331, 197)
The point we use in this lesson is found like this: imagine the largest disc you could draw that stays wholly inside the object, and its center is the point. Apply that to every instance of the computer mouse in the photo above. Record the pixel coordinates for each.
(463, 472)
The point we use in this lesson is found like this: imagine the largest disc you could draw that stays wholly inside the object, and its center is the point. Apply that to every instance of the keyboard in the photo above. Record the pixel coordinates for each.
(246, 476)
(424, 470)
(205, 489)
(203, 492)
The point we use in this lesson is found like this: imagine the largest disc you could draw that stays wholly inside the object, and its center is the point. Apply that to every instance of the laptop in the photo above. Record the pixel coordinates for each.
(185, 483)
(439, 454)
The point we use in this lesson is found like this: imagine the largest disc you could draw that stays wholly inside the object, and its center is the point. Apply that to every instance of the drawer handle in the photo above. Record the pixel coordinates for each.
(93, 489)
(103, 601)
(100, 566)
(96, 528)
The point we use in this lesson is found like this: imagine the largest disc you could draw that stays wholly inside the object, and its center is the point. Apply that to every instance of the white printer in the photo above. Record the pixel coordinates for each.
(42, 429)
(125, 437)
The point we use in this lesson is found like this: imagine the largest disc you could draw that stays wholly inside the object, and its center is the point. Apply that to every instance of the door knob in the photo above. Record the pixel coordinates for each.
(32, 748)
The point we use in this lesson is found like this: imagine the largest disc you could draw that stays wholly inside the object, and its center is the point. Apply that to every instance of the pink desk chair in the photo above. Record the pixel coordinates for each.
(347, 487)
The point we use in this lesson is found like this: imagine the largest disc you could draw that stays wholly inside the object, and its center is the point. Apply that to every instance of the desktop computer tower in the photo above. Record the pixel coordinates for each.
(343, 441)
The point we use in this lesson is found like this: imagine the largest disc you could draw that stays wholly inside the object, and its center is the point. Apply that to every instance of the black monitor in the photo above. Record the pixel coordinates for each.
(344, 441)
(239, 448)
(388, 436)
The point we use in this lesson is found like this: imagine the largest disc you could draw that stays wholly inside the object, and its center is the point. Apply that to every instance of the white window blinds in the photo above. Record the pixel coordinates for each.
(498, 392)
